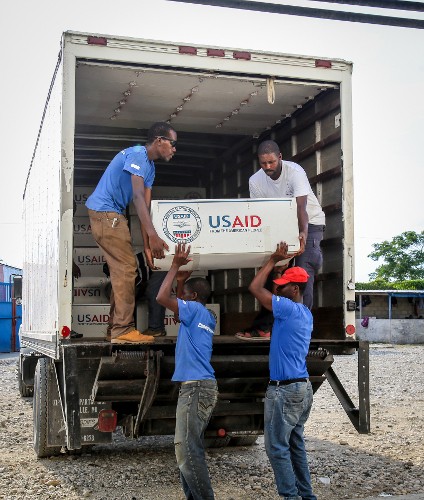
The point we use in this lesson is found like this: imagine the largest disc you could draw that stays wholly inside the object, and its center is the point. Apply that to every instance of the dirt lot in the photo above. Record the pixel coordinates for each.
(344, 465)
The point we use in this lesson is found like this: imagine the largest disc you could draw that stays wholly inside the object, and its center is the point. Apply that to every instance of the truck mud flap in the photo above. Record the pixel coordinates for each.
(129, 376)
(73, 415)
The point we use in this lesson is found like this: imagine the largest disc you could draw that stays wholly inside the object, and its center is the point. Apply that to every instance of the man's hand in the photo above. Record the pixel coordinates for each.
(149, 259)
(157, 246)
(302, 243)
(181, 255)
(281, 253)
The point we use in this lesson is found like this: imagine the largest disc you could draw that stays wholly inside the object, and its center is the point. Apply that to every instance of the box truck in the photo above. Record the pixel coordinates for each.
(105, 93)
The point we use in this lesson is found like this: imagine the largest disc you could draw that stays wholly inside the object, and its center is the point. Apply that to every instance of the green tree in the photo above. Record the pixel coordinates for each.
(403, 257)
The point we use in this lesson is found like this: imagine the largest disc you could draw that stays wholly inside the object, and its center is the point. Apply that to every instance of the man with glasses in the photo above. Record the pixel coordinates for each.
(129, 176)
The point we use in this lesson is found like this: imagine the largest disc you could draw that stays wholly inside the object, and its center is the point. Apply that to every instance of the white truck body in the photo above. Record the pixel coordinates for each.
(105, 94)
(105, 87)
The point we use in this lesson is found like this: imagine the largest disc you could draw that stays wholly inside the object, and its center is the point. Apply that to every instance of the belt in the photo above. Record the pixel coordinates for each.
(109, 215)
(207, 381)
(287, 382)
(315, 228)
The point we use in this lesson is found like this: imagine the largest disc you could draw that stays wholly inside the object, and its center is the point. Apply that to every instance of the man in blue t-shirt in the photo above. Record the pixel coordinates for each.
(129, 176)
(198, 392)
(288, 398)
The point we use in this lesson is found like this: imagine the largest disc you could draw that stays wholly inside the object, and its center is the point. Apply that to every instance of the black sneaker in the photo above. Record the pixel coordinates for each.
(155, 333)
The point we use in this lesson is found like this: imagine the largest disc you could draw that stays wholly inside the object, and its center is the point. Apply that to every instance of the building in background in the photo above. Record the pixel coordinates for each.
(10, 307)
(390, 316)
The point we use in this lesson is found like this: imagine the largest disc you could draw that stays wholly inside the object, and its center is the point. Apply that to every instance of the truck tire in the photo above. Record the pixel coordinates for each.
(26, 391)
(42, 382)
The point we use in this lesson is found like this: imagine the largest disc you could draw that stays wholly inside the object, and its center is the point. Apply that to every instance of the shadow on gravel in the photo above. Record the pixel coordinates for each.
(146, 470)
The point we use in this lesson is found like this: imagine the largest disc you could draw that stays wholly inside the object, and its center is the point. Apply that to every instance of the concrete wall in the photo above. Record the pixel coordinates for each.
(379, 308)
(395, 331)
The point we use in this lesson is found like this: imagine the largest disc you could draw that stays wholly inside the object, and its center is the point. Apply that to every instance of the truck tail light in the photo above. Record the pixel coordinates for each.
(350, 330)
(107, 420)
(65, 332)
(221, 433)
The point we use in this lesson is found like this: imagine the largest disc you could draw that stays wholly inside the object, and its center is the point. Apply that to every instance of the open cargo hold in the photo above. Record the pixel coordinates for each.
(106, 93)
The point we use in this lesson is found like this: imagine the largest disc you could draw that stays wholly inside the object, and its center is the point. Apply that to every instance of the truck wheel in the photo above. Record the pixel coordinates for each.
(26, 391)
(42, 383)
(243, 440)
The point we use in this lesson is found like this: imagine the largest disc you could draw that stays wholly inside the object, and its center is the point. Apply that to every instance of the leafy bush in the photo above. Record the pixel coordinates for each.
(380, 284)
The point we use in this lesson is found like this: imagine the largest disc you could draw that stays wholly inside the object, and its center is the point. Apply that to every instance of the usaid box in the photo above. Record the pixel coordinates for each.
(172, 325)
(90, 261)
(226, 234)
(81, 193)
(82, 232)
(90, 319)
(161, 193)
(91, 290)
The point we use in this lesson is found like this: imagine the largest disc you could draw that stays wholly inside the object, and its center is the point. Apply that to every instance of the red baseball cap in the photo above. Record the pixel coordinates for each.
(293, 275)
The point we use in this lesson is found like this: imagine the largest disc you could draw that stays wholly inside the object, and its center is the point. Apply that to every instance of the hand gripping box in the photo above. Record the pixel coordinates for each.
(226, 234)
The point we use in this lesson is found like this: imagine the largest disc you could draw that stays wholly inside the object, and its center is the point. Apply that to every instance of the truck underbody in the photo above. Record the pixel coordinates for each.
(135, 383)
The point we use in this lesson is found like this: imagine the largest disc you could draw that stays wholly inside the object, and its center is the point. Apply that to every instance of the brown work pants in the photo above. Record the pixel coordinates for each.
(115, 241)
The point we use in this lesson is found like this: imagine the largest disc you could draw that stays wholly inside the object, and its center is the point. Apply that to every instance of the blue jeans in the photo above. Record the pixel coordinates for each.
(196, 402)
(287, 408)
(156, 311)
(311, 261)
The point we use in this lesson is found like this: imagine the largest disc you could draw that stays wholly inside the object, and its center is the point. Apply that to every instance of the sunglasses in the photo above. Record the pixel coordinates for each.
(173, 143)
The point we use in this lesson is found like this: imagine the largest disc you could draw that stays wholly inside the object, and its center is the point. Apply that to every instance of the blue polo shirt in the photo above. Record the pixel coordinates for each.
(194, 343)
(114, 190)
(291, 334)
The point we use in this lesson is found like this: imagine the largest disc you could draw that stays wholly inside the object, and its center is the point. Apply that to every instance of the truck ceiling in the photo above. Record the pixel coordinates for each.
(211, 112)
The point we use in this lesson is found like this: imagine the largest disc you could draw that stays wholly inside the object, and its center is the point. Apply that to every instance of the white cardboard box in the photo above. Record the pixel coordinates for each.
(226, 234)
(81, 193)
(90, 261)
(161, 193)
(90, 319)
(82, 232)
(90, 290)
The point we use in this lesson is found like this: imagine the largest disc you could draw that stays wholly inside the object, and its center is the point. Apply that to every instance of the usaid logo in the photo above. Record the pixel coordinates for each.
(181, 224)
(235, 222)
(82, 228)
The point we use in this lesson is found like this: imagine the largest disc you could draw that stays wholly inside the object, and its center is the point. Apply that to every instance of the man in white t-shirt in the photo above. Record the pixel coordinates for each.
(280, 179)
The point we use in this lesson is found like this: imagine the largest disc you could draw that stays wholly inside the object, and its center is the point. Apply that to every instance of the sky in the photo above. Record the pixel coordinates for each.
(388, 86)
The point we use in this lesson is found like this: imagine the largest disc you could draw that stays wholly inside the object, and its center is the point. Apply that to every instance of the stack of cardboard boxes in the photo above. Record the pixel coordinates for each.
(90, 309)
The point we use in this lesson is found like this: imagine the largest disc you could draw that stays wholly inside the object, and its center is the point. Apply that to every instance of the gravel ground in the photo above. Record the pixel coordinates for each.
(344, 464)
